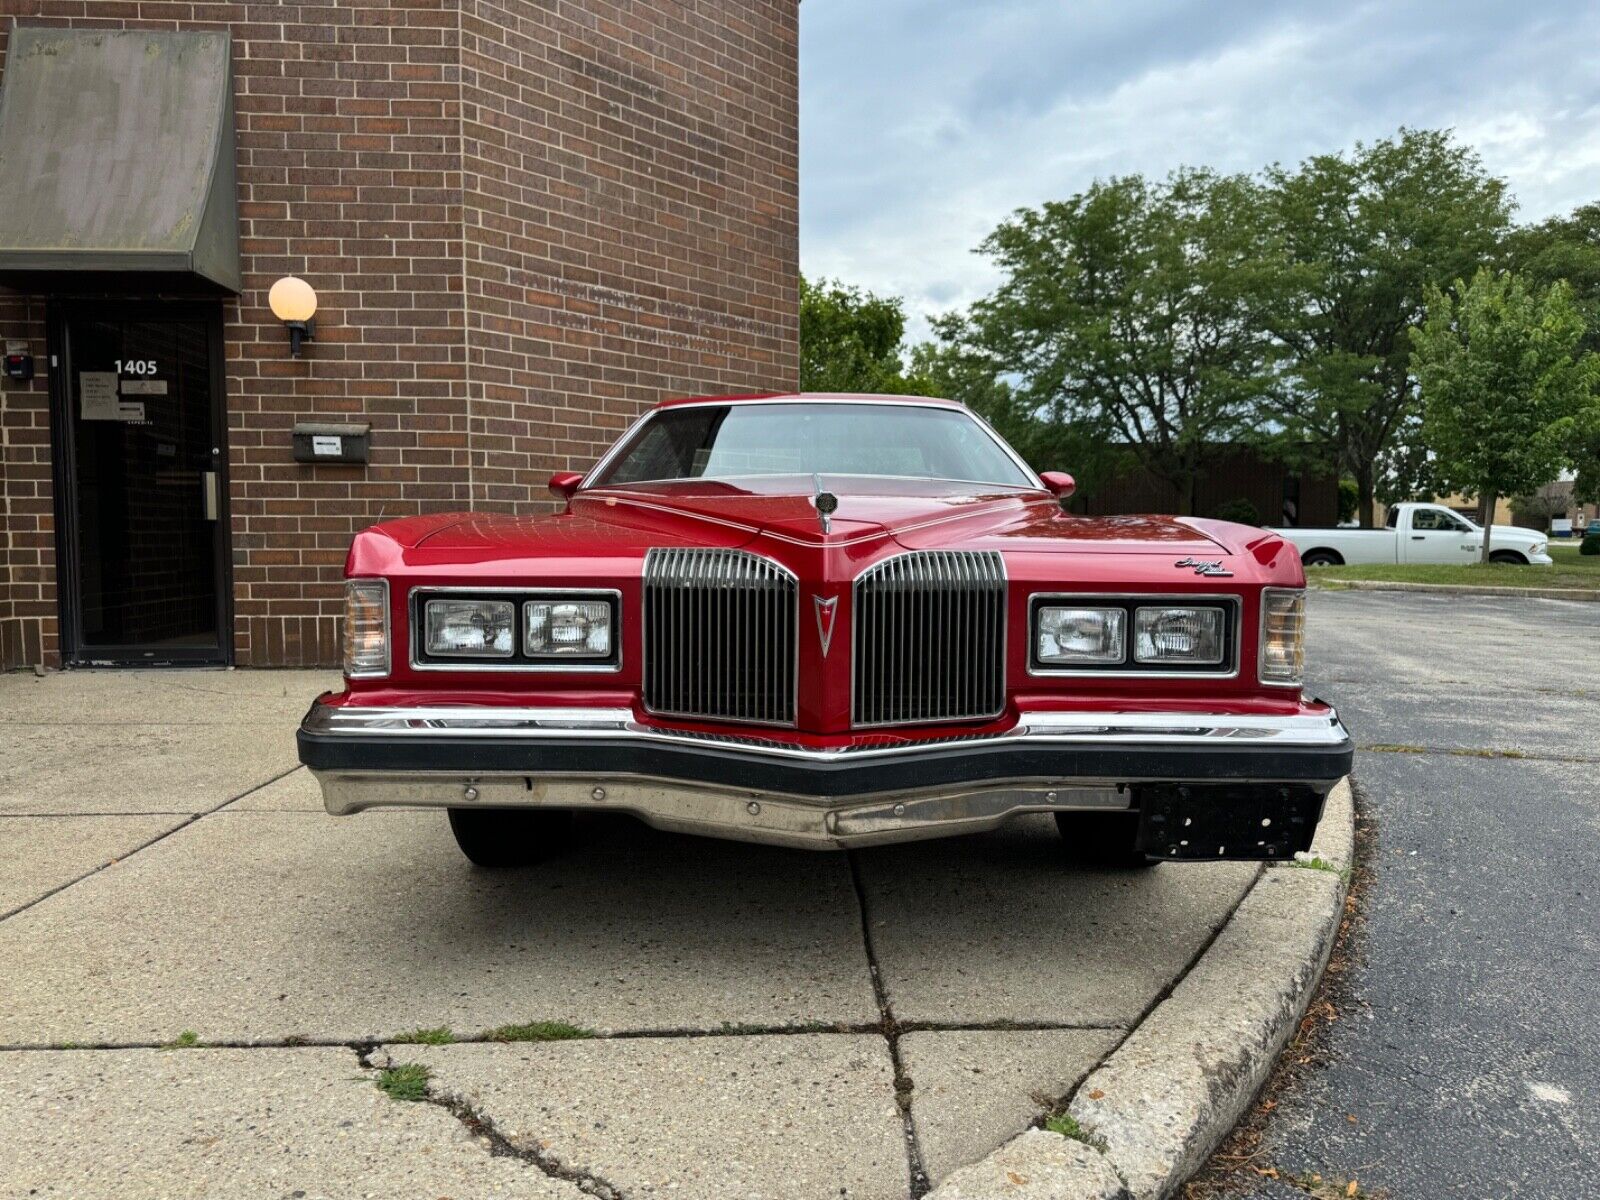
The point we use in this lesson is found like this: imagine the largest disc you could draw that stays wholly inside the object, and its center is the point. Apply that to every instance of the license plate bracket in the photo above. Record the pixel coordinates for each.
(1222, 822)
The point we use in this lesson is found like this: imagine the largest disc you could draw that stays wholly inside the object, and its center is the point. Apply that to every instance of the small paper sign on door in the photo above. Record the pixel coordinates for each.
(97, 396)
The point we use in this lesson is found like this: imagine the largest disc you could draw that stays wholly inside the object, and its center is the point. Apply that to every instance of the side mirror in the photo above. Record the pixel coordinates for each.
(1059, 482)
(564, 483)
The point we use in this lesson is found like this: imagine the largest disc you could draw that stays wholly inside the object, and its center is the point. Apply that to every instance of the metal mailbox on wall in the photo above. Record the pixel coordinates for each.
(323, 443)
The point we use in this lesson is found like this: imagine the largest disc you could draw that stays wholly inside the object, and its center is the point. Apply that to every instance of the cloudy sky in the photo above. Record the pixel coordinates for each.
(924, 122)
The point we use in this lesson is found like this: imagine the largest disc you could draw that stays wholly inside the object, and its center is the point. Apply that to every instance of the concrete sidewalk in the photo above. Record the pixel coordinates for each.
(747, 1021)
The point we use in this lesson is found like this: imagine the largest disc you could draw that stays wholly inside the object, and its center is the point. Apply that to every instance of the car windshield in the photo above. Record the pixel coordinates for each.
(727, 441)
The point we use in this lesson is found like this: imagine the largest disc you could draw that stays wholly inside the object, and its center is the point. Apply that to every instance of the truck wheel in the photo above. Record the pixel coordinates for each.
(1509, 558)
(510, 837)
(1322, 558)
(1103, 839)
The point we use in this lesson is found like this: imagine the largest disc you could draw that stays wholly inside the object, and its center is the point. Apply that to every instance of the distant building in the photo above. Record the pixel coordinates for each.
(1275, 494)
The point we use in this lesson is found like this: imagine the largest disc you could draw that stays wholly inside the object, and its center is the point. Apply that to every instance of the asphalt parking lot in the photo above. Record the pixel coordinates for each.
(169, 878)
(1466, 1061)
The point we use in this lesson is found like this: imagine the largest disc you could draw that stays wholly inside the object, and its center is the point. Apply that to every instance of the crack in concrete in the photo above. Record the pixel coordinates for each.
(840, 1029)
(891, 1031)
(482, 1127)
(1490, 753)
(143, 846)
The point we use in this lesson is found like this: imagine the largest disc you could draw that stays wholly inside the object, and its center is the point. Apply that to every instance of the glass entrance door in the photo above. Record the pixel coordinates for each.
(140, 485)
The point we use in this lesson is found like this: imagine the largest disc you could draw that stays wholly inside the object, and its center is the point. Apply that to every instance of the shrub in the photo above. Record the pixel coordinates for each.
(1240, 510)
(1349, 500)
(1590, 544)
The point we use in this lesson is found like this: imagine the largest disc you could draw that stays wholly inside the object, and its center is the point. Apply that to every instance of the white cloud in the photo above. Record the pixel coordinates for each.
(924, 122)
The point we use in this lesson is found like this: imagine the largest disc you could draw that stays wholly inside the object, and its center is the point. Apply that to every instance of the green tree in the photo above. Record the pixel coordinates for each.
(850, 339)
(1362, 236)
(950, 368)
(1568, 249)
(1506, 385)
(1134, 311)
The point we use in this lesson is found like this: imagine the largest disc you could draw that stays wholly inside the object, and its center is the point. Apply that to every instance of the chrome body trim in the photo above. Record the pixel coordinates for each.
(1309, 730)
(1147, 600)
(416, 633)
(779, 816)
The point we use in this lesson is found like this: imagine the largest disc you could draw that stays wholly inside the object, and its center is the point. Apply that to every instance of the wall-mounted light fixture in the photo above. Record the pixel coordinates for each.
(294, 302)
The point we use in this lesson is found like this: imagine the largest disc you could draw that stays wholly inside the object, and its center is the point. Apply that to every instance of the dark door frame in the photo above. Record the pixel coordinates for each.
(64, 481)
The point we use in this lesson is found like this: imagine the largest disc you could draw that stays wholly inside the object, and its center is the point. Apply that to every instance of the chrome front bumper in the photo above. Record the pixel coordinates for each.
(763, 790)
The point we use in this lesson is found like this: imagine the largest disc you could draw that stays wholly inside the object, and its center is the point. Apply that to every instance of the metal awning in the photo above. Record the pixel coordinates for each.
(116, 162)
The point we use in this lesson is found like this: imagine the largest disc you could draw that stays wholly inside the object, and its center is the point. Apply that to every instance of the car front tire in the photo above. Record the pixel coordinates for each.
(510, 837)
(1321, 558)
(1103, 839)
(1508, 558)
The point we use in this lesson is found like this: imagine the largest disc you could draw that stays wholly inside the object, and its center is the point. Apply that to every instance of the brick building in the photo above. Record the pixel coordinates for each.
(524, 220)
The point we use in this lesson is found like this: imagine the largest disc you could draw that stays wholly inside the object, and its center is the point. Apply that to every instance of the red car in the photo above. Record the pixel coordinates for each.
(829, 621)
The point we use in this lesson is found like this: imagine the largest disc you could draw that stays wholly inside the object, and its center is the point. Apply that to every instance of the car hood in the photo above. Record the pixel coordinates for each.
(873, 517)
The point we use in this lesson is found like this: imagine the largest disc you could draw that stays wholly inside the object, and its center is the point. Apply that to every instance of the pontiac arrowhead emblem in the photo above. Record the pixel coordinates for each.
(827, 610)
(1211, 567)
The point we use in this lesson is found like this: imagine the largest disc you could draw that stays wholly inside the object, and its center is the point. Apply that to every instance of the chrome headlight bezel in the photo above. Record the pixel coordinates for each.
(1230, 606)
(520, 660)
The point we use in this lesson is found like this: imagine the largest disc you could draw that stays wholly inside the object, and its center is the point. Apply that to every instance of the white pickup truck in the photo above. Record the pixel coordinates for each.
(1418, 533)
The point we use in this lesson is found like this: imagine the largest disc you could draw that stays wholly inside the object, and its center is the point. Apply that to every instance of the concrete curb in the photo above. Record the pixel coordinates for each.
(1591, 595)
(1178, 1084)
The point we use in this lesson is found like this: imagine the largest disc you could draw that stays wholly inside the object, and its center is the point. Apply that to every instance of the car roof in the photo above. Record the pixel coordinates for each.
(813, 397)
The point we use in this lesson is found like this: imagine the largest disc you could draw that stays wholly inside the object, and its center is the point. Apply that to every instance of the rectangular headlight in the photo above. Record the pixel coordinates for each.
(560, 628)
(1282, 660)
(1080, 635)
(470, 628)
(366, 628)
(1178, 635)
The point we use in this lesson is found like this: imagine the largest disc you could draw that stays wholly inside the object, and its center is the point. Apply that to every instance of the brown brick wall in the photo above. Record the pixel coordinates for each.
(524, 220)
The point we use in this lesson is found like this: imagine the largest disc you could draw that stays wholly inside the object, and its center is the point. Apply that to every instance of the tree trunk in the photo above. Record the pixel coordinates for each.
(1366, 509)
(1190, 486)
(1486, 502)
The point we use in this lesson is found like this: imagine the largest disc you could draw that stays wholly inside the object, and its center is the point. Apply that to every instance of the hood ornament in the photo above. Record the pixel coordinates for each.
(1204, 566)
(827, 611)
(826, 505)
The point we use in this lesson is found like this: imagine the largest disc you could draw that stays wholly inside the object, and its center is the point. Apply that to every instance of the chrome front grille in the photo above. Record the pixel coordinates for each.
(719, 636)
(929, 639)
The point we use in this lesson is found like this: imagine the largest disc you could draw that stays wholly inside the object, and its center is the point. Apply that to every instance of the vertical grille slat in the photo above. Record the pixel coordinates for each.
(720, 635)
(929, 639)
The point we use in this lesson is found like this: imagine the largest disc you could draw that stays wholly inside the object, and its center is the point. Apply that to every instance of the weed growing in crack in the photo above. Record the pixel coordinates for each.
(425, 1037)
(408, 1081)
(1313, 863)
(539, 1031)
(186, 1040)
(1067, 1126)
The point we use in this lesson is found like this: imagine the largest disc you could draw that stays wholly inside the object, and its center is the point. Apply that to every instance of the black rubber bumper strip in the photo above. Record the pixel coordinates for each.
(977, 762)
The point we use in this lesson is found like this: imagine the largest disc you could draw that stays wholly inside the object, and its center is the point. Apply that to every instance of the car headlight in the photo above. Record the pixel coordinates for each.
(1541, 547)
(1178, 635)
(473, 627)
(1282, 660)
(1080, 635)
(366, 628)
(567, 628)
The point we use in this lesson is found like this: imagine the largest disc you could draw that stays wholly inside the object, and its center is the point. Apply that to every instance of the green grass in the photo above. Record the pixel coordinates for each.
(186, 1040)
(408, 1081)
(426, 1037)
(1570, 570)
(1067, 1126)
(538, 1031)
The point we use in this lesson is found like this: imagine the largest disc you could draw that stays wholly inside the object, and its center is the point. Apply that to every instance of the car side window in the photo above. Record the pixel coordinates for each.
(1431, 520)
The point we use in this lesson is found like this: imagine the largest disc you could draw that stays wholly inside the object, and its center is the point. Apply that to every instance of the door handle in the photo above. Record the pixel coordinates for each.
(208, 494)
(1418, 537)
